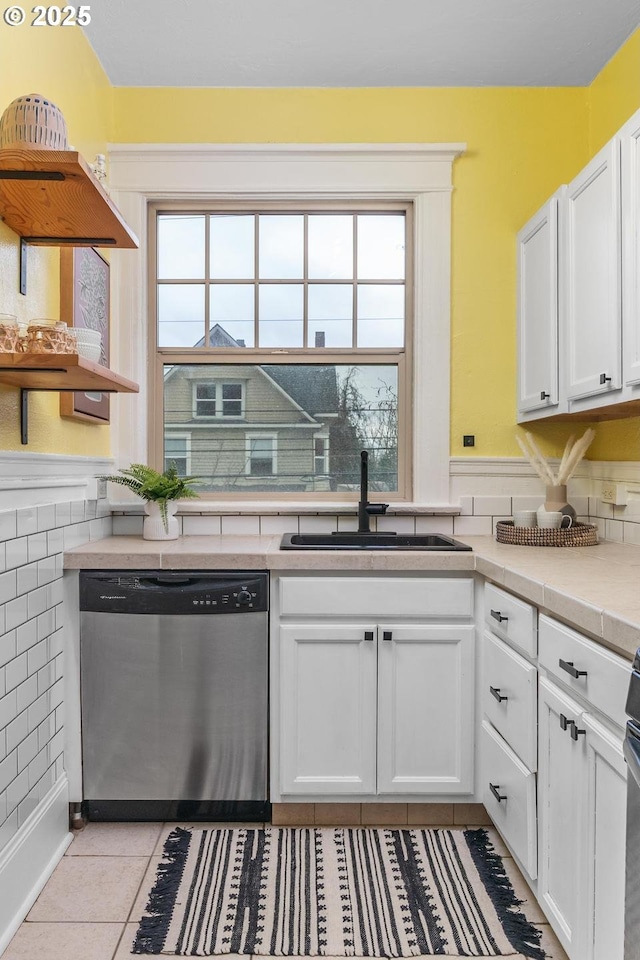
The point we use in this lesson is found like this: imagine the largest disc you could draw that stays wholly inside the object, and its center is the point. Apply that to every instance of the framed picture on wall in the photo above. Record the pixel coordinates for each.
(84, 302)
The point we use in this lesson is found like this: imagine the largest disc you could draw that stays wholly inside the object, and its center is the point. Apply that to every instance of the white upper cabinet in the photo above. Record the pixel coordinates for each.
(538, 311)
(592, 273)
(579, 292)
(630, 137)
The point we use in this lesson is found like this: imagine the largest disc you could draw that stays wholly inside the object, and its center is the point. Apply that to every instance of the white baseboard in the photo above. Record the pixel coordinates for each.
(30, 857)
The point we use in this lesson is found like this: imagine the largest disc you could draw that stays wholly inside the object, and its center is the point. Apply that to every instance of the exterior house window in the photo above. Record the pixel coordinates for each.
(261, 456)
(321, 455)
(177, 451)
(217, 399)
(294, 325)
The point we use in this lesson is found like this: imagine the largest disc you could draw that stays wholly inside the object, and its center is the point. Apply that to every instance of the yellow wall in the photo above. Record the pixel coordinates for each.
(522, 144)
(60, 64)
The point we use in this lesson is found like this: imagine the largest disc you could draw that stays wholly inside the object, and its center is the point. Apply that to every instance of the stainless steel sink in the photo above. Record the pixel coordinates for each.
(369, 541)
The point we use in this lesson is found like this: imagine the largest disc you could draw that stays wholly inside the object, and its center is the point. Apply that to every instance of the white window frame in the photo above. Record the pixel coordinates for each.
(419, 173)
(219, 400)
(187, 438)
(248, 437)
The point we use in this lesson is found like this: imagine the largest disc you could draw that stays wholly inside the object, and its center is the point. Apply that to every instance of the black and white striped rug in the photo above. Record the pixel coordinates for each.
(336, 893)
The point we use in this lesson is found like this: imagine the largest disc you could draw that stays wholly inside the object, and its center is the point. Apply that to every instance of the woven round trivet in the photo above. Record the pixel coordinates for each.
(578, 535)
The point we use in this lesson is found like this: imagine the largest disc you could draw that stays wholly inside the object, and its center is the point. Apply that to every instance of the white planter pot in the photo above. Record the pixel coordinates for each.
(153, 527)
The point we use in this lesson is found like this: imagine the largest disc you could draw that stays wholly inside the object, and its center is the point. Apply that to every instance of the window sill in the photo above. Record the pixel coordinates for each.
(272, 508)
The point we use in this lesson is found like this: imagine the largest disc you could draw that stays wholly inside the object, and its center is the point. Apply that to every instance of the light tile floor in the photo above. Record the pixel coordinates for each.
(90, 907)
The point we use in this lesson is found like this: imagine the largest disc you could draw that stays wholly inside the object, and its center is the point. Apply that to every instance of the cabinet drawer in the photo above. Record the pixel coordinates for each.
(376, 597)
(511, 619)
(606, 680)
(515, 814)
(513, 679)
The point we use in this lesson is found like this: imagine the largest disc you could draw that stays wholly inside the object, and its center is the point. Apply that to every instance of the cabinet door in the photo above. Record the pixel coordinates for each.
(560, 763)
(538, 310)
(602, 844)
(425, 708)
(328, 709)
(630, 135)
(592, 271)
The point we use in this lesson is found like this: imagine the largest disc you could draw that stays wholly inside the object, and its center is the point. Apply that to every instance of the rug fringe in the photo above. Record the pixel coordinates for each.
(153, 929)
(524, 935)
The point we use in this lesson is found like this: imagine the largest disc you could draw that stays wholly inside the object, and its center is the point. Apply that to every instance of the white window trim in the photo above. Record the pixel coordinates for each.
(420, 173)
(248, 437)
(219, 400)
(187, 457)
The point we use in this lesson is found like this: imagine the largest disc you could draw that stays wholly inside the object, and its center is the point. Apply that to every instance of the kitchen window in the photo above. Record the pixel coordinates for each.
(296, 321)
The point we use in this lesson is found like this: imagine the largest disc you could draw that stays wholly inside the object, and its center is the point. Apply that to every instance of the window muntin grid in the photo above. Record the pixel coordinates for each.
(281, 280)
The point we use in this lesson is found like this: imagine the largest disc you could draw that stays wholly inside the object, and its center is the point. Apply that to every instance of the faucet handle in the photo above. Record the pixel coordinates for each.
(375, 509)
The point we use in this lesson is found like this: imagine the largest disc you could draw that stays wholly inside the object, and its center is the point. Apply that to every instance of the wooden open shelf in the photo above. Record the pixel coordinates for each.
(60, 371)
(50, 197)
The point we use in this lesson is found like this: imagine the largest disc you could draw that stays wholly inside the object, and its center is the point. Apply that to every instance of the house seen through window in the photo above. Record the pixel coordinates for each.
(280, 343)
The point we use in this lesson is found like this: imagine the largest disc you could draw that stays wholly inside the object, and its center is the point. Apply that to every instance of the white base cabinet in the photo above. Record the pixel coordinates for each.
(582, 819)
(374, 705)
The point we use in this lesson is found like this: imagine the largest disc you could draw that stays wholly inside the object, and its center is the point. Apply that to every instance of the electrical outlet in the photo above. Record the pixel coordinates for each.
(608, 494)
(614, 493)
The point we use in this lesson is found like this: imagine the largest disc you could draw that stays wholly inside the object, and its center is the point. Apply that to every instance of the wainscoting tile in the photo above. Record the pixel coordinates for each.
(64, 941)
(435, 525)
(242, 526)
(384, 814)
(337, 814)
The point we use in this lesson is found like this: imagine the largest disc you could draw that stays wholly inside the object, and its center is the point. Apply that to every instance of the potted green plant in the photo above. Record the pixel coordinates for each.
(160, 491)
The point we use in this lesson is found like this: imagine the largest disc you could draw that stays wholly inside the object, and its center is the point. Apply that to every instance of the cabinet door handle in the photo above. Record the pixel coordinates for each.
(495, 790)
(565, 722)
(368, 635)
(544, 396)
(569, 667)
(387, 635)
(604, 378)
(495, 692)
(498, 616)
(575, 733)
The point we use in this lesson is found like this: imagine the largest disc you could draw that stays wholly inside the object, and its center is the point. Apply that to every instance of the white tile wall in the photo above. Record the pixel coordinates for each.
(31, 648)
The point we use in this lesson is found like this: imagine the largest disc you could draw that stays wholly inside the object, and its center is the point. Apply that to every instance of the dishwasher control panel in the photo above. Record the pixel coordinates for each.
(167, 592)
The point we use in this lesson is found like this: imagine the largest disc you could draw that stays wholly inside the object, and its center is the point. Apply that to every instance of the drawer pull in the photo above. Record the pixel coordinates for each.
(387, 635)
(575, 733)
(571, 670)
(368, 635)
(495, 790)
(498, 616)
(495, 692)
(565, 722)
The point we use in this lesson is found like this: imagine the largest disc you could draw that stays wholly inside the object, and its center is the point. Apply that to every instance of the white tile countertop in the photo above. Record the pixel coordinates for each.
(596, 589)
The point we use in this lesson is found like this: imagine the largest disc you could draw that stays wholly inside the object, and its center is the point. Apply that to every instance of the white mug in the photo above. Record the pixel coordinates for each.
(525, 518)
(553, 520)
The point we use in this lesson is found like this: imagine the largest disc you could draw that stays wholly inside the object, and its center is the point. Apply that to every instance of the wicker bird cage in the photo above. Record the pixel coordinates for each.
(34, 123)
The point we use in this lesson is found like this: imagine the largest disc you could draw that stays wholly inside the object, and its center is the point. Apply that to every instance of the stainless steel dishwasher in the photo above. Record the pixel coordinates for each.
(174, 687)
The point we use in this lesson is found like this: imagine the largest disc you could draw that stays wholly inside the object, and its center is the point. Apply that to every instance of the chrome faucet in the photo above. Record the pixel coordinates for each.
(366, 509)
